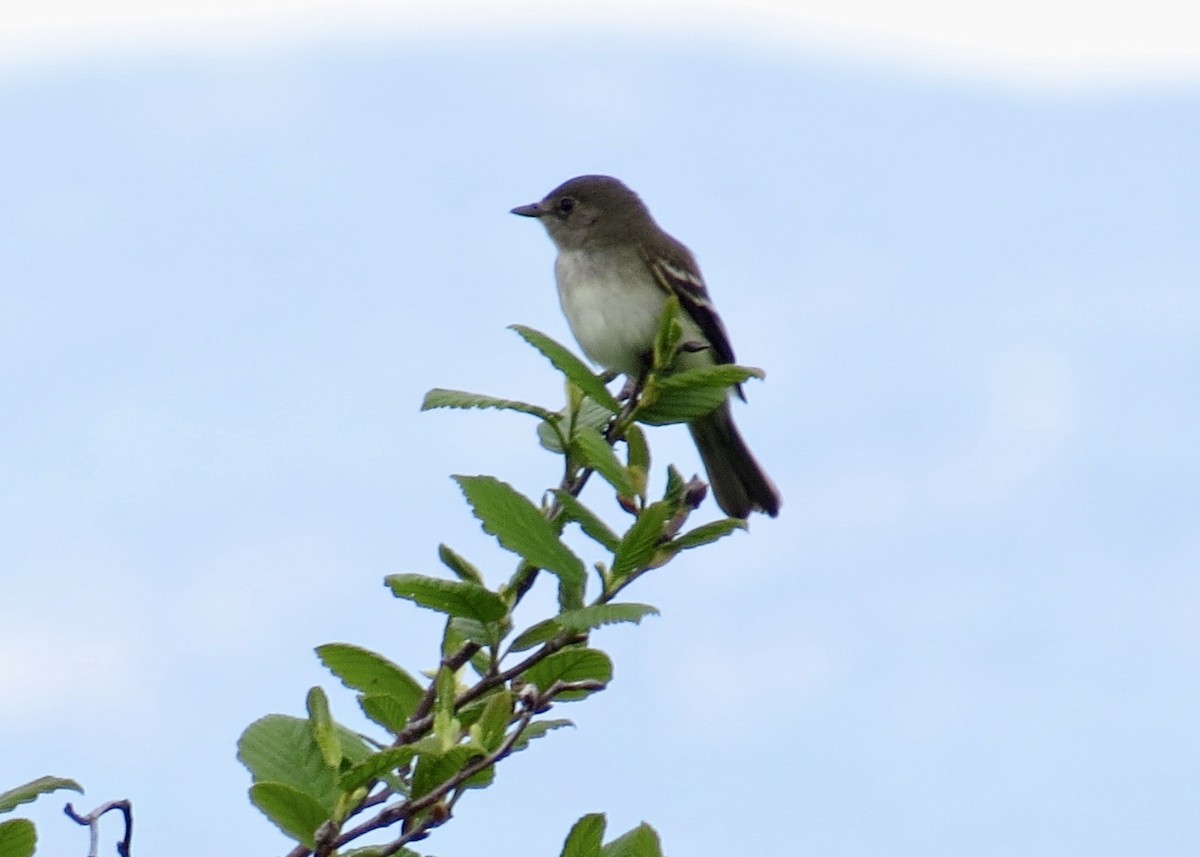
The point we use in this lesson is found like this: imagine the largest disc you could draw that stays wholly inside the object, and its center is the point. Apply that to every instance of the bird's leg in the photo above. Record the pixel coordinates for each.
(633, 387)
(629, 395)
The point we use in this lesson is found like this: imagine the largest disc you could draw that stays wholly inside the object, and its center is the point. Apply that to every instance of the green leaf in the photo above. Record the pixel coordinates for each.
(642, 841)
(492, 725)
(588, 413)
(670, 332)
(445, 727)
(639, 451)
(707, 533)
(281, 750)
(434, 769)
(483, 633)
(550, 437)
(439, 398)
(292, 811)
(684, 396)
(585, 414)
(538, 729)
(371, 673)
(588, 520)
(597, 454)
(571, 366)
(520, 527)
(488, 635)
(642, 541)
(452, 597)
(323, 731)
(31, 790)
(569, 665)
(537, 634)
(18, 838)
(595, 615)
(585, 837)
(375, 767)
(386, 711)
(675, 485)
(464, 570)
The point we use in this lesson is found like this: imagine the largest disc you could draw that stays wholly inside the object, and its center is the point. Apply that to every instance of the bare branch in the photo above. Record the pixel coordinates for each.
(92, 822)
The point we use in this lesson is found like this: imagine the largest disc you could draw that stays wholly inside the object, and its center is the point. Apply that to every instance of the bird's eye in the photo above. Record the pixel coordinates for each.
(566, 204)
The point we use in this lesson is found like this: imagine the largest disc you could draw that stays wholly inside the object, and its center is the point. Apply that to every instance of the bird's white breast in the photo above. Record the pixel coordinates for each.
(612, 303)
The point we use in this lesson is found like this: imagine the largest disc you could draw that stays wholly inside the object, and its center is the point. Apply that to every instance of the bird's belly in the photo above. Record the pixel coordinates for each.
(613, 312)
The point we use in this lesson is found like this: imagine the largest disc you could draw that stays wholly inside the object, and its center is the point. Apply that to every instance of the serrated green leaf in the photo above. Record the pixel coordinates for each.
(538, 729)
(375, 767)
(642, 841)
(439, 398)
(463, 569)
(18, 838)
(585, 836)
(281, 749)
(469, 714)
(570, 665)
(371, 673)
(453, 597)
(571, 366)
(642, 541)
(292, 811)
(387, 711)
(520, 527)
(639, 451)
(31, 790)
(588, 521)
(493, 722)
(707, 533)
(486, 634)
(588, 413)
(535, 635)
(595, 615)
(434, 769)
(483, 633)
(550, 437)
(685, 396)
(673, 493)
(670, 332)
(320, 721)
(585, 414)
(598, 455)
(445, 726)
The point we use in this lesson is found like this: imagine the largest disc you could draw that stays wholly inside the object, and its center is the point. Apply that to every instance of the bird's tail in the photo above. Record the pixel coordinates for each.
(738, 483)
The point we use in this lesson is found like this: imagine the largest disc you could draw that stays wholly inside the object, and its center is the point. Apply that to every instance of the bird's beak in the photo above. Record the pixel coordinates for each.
(534, 209)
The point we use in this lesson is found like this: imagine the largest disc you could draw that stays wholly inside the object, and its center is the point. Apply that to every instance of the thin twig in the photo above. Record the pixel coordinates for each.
(92, 822)
(410, 808)
(417, 728)
(420, 720)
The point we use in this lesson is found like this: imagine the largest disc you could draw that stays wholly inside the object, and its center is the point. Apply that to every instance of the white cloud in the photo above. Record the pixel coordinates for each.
(1052, 41)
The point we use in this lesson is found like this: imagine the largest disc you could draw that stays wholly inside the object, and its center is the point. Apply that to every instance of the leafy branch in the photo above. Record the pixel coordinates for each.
(329, 787)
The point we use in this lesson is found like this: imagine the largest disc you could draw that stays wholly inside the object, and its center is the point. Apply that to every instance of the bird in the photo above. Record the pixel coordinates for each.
(615, 269)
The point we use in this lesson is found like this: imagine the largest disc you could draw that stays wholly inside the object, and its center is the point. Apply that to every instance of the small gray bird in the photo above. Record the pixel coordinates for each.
(615, 269)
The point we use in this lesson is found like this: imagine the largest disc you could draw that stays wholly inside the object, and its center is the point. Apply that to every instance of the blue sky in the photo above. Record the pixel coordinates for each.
(231, 275)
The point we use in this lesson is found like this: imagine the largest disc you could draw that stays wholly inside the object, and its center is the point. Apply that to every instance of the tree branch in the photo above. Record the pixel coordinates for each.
(92, 822)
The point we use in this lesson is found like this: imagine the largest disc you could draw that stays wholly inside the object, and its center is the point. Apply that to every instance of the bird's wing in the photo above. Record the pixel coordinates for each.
(680, 276)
